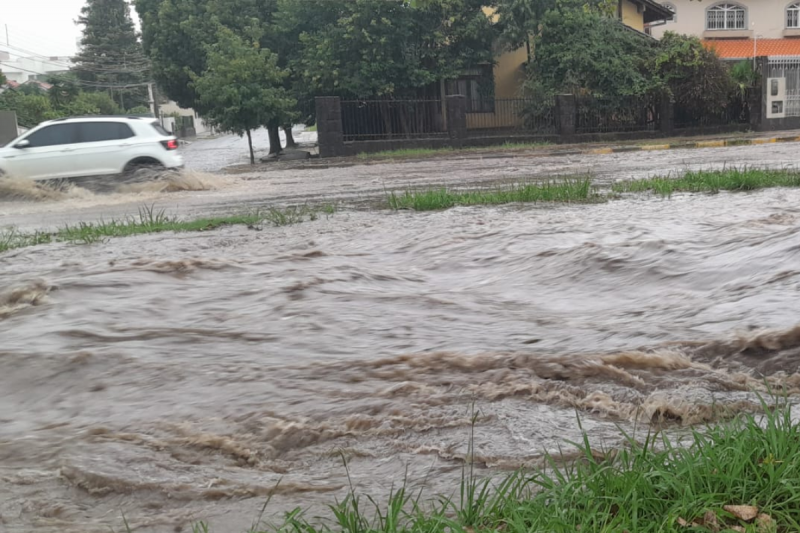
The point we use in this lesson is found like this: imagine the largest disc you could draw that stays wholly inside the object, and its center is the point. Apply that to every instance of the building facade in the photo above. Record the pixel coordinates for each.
(728, 19)
(21, 69)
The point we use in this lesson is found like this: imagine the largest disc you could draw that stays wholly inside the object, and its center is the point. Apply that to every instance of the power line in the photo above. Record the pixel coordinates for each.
(138, 64)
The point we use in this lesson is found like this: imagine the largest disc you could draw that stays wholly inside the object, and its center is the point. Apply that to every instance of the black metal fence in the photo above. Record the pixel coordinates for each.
(524, 116)
(735, 112)
(369, 120)
(617, 115)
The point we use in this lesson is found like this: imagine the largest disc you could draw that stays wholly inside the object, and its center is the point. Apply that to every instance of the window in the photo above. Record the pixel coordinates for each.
(478, 86)
(672, 8)
(726, 17)
(793, 16)
(160, 129)
(54, 135)
(92, 132)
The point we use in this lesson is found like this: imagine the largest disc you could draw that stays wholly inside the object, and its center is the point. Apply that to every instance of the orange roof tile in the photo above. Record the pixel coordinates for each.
(743, 48)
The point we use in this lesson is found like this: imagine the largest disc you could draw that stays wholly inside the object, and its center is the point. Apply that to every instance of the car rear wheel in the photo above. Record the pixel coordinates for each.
(142, 170)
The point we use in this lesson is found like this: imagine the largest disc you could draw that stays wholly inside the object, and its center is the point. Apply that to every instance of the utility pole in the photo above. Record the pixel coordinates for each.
(8, 42)
(151, 91)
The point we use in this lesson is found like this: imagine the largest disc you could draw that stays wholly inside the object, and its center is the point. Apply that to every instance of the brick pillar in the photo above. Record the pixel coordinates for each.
(667, 116)
(330, 135)
(566, 111)
(457, 119)
(758, 100)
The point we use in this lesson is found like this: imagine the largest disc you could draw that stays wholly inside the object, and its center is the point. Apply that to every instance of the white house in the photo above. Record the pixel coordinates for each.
(21, 69)
(738, 29)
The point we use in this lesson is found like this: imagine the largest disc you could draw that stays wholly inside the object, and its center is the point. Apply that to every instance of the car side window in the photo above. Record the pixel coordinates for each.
(54, 135)
(92, 132)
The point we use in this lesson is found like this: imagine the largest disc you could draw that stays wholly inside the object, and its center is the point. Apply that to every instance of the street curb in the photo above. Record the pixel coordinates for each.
(715, 143)
(499, 153)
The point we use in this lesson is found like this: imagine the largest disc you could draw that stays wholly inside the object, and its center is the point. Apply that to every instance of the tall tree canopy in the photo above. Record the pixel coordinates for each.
(111, 58)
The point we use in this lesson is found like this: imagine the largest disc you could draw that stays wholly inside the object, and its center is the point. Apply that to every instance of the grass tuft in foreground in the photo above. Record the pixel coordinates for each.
(729, 179)
(150, 220)
(569, 190)
(743, 475)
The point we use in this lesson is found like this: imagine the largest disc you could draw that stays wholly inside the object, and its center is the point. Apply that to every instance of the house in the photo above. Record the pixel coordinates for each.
(738, 29)
(21, 69)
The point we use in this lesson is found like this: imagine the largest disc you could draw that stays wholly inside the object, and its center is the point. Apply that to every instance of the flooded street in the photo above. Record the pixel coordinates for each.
(177, 377)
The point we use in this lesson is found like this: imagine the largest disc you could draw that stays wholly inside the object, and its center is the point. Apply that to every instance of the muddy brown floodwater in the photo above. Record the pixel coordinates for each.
(179, 377)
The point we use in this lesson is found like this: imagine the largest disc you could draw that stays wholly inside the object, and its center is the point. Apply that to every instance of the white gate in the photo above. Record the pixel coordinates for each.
(789, 68)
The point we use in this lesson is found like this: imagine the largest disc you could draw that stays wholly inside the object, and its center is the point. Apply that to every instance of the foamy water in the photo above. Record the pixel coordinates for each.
(179, 377)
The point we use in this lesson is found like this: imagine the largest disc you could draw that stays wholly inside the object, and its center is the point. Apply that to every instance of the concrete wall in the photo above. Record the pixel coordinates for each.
(765, 18)
(8, 127)
(632, 16)
(171, 107)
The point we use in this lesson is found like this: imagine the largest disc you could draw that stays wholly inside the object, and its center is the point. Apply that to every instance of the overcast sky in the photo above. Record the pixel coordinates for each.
(44, 27)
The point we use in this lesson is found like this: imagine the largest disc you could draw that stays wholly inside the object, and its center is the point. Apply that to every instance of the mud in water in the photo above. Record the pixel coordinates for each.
(128, 187)
(179, 377)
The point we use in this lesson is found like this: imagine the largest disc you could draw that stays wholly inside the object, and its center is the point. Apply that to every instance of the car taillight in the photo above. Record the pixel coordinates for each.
(171, 144)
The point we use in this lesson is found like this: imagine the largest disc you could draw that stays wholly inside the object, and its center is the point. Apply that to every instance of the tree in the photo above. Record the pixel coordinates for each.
(3, 79)
(386, 48)
(693, 75)
(111, 57)
(242, 86)
(584, 51)
(64, 90)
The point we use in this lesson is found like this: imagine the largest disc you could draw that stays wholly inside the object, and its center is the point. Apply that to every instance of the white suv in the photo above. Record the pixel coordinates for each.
(90, 146)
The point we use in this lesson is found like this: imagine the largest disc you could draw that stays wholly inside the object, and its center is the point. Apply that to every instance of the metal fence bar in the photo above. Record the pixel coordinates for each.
(364, 120)
(617, 115)
(522, 116)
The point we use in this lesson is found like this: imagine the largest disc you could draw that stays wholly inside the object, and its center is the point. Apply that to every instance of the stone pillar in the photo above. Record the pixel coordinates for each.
(457, 119)
(667, 116)
(566, 111)
(330, 135)
(8, 126)
(755, 104)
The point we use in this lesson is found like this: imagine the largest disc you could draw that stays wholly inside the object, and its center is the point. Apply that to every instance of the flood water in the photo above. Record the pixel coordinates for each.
(180, 377)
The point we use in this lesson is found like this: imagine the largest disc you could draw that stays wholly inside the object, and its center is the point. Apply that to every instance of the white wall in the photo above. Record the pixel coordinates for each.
(765, 18)
(21, 69)
(171, 107)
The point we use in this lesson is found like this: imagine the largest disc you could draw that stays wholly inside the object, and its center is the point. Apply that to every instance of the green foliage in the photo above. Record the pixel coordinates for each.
(582, 51)
(692, 75)
(111, 55)
(64, 90)
(383, 47)
(31, 109)
(242, 87)
(744, 76)
(3, 79)
(140, 110)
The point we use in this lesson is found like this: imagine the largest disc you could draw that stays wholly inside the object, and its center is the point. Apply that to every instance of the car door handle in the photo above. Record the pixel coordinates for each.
(68, 150)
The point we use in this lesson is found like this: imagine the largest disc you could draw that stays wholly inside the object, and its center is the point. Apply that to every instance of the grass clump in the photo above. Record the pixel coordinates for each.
(12, 238)
(569, 190)
(729, 179)
(743, 475)
(150, 220)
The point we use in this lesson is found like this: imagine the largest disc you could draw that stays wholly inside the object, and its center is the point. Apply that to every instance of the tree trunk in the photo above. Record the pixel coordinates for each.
(290, 142)
(274, 139)
(250, 144)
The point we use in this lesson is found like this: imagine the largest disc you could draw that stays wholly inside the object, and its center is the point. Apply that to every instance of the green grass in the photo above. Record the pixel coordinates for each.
(648, 485)
(567, 190)
(412, 153)
(150, 220)
(730, 179)
(311, 128)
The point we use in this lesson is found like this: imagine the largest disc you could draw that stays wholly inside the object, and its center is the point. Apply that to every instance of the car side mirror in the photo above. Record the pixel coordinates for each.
(24, 143)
